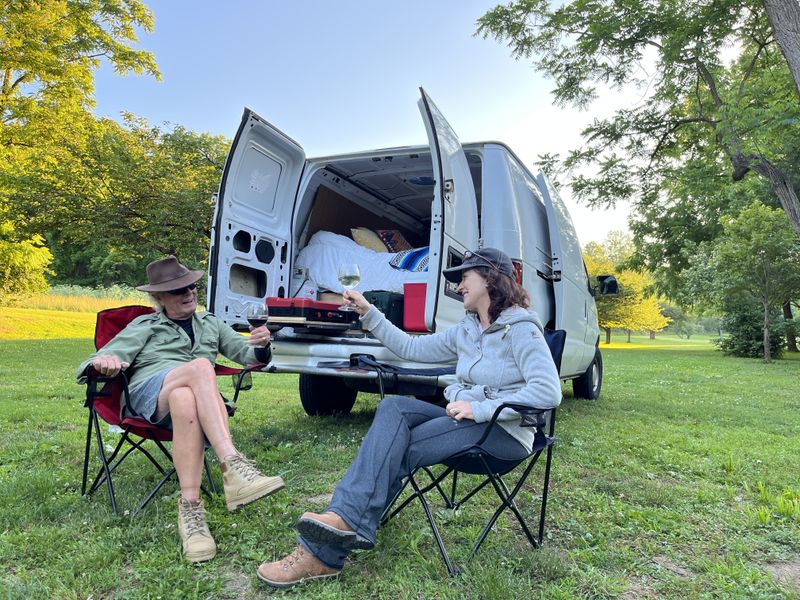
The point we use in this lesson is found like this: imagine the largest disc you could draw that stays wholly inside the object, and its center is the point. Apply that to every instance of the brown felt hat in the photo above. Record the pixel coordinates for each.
(168, 274)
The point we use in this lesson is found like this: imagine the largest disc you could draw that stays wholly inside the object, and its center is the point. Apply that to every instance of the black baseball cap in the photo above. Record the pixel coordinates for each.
(485, 257)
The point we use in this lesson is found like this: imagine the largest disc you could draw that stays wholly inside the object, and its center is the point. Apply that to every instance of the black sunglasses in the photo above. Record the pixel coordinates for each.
(469, 254)
(182, 291)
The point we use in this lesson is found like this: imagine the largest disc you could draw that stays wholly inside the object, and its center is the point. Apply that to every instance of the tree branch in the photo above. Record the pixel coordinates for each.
(761, 46)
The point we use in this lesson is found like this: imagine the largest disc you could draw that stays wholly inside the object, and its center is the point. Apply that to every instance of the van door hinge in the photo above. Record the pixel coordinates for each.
(449, 188)
(554, 276)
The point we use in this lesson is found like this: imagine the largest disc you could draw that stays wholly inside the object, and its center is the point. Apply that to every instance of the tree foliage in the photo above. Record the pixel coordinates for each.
(121, 196)
(681, 323)
(23, 264)
(49, 51)
(635, 307)
(755, 262)
(692, 102)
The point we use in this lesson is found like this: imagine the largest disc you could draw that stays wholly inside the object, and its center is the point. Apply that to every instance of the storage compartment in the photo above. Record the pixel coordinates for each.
(414, 307)
(389, 303)
(301, 312)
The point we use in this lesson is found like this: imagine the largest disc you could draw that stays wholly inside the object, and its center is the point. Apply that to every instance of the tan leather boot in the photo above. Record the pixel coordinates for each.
(244, 483)
(293, 568)
(198, 545)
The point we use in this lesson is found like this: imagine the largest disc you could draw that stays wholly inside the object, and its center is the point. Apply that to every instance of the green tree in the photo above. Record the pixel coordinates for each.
(634, 308)
(23, 264)
(683, 324)
(122, 196)
(756, 262)
(49, 50)
(692, 103)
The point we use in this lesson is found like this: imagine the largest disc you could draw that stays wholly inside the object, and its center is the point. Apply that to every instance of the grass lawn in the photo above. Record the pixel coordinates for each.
(681, 482)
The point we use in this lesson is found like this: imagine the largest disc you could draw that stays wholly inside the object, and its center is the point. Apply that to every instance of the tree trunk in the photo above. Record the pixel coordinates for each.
(784, 18)
(608, 334)
(791, 334)
(767, 355)
(782, 187)
(629, 335)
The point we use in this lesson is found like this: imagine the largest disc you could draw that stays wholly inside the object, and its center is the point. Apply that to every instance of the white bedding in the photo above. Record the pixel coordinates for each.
(326, 251)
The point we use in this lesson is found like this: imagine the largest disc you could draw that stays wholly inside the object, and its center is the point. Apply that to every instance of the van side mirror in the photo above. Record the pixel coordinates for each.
(607, 284)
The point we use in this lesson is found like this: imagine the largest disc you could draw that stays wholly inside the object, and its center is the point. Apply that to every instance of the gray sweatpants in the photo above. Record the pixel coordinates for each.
(406, 434)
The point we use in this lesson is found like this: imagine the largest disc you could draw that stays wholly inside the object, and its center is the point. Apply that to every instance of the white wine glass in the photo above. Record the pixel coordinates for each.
(349, 276)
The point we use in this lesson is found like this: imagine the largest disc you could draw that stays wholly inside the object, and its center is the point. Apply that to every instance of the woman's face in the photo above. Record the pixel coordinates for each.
(181, 306)
(475, 290)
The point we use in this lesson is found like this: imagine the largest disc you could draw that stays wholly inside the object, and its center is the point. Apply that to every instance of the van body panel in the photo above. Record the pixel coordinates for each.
(514, 219)
(570, 284)
(454, 215)
(252, 227)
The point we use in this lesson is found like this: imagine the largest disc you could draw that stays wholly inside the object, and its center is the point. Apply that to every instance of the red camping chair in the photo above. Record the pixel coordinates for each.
(103, 395)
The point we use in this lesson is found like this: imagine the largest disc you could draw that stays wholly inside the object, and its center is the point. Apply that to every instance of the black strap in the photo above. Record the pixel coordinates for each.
(369, 362)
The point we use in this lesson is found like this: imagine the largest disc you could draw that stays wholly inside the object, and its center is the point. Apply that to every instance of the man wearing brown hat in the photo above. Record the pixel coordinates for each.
(170, 359)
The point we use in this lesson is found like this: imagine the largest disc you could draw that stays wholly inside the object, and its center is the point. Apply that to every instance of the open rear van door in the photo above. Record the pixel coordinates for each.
(454, 216)
(570, 286)
(251, 234)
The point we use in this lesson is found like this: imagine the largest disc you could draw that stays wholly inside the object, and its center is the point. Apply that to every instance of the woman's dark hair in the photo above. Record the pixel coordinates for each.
(503, 292)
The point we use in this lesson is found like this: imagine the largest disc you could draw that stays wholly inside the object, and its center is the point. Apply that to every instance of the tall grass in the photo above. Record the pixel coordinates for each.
(76, 298)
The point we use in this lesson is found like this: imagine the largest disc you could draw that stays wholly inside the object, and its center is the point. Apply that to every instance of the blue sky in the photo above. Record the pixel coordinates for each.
(344, 76)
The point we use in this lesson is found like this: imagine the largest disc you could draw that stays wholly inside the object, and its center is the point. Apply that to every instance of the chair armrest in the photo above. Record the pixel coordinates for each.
(531, 417)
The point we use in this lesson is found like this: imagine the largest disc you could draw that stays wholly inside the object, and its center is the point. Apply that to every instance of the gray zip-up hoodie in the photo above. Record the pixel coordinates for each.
(509, 361)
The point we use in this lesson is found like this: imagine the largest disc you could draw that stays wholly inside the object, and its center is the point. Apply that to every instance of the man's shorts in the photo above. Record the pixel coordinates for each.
(144, 399)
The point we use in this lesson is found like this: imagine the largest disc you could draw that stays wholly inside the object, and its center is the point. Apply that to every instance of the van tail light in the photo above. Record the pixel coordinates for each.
(517, 271)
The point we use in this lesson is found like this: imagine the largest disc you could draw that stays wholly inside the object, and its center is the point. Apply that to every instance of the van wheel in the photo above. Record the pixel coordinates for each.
(588, 385)
(322, 395)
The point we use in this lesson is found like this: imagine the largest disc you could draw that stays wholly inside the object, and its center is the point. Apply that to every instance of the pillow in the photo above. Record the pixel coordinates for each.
(368, 238)
(393, 239)
(411, 260)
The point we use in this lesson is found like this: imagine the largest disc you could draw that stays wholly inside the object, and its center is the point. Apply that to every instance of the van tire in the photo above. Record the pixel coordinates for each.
(321, 395)
(588, 385)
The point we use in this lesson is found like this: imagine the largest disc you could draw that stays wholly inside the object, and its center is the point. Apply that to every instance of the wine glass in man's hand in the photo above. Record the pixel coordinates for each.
(257, 314)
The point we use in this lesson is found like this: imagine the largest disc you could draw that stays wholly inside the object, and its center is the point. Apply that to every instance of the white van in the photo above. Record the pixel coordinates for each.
(445, 196)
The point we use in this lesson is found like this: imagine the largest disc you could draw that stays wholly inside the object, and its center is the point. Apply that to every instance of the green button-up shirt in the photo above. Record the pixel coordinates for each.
(152, 343)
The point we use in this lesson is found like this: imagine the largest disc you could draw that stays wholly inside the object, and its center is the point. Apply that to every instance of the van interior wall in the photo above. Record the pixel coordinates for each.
(334, 212)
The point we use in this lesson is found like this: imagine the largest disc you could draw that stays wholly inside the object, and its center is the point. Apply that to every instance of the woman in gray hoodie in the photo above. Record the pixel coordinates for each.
(501, 357)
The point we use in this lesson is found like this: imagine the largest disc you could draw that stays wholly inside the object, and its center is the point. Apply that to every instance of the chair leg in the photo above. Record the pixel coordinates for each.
(507, 501)
(544, 492)
(114, 461)
(385, 517)
(452, 569)
(167, 476)
(86, 454)
(106, 468)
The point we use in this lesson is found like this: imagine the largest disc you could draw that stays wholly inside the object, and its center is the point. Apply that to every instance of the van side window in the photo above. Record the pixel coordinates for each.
(454, 259)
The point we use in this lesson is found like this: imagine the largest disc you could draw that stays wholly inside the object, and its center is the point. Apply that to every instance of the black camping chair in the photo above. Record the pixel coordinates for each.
(106, 398)
(478, 461)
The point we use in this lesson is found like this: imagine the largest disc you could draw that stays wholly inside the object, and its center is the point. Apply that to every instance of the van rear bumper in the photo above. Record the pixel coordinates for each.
(305, 357)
